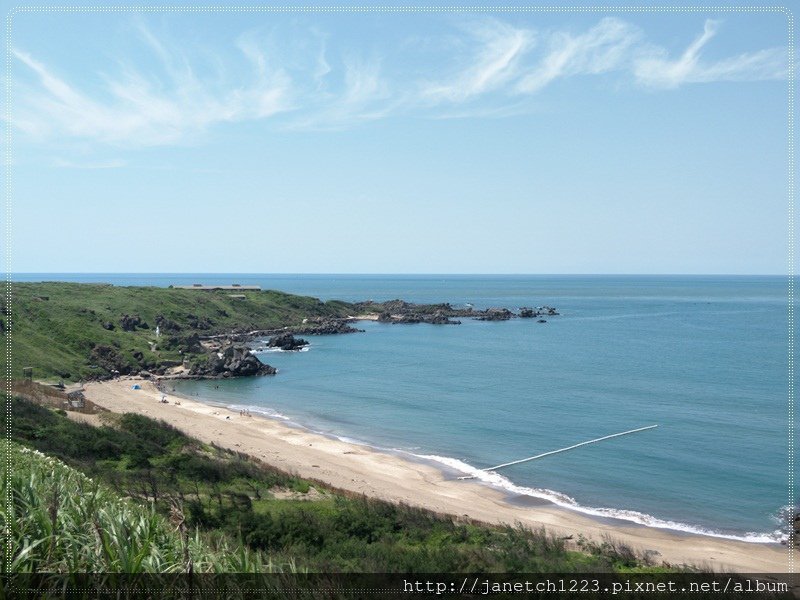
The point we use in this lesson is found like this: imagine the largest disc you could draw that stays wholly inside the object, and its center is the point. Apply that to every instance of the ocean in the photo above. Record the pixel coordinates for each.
(703, 357)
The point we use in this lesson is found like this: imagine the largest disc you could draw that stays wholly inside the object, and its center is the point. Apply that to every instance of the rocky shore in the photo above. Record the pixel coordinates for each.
(401, 312)
(224, 355)
(233, 361)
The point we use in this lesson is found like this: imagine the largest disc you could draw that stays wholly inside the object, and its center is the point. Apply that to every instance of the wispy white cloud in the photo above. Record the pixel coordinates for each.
(494, 63)
(363, 94)
(658, 71)
(322, 66)
(308, 81)
(603, 48)
(139, 109)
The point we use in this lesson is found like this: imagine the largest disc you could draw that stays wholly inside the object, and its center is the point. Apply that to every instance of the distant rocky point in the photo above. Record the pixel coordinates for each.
(402, 312)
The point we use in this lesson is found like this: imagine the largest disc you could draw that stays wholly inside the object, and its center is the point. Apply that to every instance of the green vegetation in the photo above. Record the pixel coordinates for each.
(239, 501)
(62, 521)
(75, 331)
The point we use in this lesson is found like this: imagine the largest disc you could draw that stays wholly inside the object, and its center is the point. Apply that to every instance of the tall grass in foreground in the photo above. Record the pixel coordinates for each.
(59, 520)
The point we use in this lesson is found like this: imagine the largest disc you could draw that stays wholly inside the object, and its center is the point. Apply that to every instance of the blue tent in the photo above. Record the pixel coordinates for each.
(136, 387)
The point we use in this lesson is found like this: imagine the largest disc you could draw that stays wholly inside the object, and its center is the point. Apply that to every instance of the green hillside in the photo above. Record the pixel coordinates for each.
(77, 331)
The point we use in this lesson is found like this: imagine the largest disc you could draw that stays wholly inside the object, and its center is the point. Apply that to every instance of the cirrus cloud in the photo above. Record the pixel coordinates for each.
(493, 71)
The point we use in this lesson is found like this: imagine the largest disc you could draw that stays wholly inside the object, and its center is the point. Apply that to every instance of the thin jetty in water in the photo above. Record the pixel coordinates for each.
(600, 439)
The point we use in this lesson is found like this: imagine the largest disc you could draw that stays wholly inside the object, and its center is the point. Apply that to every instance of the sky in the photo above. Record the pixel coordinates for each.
(495, 142)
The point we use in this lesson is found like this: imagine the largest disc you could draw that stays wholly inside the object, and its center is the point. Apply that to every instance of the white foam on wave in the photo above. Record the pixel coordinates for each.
(267, 350)
(499, 481)
(259, 410)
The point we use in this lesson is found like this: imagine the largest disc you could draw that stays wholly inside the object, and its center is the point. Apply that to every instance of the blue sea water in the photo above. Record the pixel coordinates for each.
(704, 357)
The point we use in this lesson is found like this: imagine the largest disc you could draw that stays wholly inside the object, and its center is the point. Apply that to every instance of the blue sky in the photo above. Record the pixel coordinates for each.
(400, 143)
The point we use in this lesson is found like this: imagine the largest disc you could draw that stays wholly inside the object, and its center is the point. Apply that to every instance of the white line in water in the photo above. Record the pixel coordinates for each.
(522, 460)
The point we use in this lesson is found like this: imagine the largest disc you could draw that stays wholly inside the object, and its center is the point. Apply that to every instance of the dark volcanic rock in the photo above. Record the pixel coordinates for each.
(188, 344)
(130, 322)
(109, 359)
(196, 322)
(495, 314)
(408, 319)
(411, 317)
(109, 326)
(397, 306)
(529, 313)
(234, 361)
(166, 325)
(286, 341)
(400, 311)
(439, 318)
(329, 327)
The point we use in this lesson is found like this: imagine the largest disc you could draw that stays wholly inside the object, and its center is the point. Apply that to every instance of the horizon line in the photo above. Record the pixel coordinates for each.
(428, 274)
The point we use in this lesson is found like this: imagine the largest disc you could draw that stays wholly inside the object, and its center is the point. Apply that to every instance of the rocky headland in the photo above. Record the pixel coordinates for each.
(102, 331)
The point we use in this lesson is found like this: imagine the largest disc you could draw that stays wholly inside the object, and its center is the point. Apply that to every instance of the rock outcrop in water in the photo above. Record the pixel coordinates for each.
(495, 314)
(286, 341)
(233, 361)
(401, 312)
(327, 327)
(529, 313)
(437, 318)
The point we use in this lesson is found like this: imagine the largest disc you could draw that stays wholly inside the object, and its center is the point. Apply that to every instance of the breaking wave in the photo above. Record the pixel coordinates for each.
(499, 481)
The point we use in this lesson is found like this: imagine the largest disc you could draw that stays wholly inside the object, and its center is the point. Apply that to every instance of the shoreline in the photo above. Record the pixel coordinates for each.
(514, 494)
(379, 473)
(521, 499)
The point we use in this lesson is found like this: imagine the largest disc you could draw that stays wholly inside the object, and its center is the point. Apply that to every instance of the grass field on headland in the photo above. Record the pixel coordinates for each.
(75, 331)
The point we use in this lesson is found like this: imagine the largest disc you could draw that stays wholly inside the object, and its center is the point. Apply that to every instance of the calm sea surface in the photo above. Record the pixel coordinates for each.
(705, 358)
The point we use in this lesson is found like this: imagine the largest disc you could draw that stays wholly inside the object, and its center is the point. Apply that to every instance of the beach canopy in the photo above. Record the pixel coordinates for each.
(136, 387)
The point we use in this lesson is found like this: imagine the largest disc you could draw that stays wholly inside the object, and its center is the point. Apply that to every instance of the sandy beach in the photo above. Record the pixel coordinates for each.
(360, 469)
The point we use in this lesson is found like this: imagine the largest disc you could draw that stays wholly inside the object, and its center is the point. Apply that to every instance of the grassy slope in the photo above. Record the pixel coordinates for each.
(62, 521)
(232, 496)
(56, 336)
